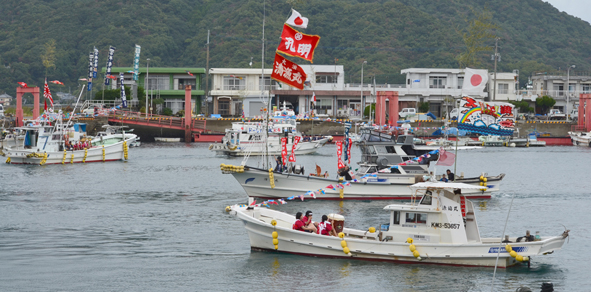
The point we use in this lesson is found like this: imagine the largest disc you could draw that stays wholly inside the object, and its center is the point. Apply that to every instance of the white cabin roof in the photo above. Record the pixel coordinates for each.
(443, 185)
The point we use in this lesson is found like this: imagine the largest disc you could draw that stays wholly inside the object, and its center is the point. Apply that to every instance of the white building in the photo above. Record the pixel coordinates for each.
(437, 86)
(233, 88)
(506, 87)
(554, 85)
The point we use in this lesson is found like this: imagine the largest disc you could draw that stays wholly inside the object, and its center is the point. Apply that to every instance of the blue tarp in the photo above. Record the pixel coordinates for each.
(215, 116)
(429, 114)
(451, 131)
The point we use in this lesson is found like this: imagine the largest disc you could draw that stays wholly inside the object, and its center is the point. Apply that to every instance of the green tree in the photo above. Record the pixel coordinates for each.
(545, 103)
(479, 32)
(366, 111)
(424, 107)
(48, 57)
(522, 106)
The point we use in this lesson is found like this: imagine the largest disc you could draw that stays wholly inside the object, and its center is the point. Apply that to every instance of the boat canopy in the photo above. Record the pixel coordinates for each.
(442, 185)
(80, 127)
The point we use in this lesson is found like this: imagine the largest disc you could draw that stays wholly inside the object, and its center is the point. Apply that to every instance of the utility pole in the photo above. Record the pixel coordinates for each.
(496, 57)
(207, 78)
(147, 85)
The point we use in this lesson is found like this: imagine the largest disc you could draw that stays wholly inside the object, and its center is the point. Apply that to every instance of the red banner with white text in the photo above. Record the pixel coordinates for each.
(297, 44)
(288, 72)
(296, 140)
(340, 153)
(284, 150)
(349, 150)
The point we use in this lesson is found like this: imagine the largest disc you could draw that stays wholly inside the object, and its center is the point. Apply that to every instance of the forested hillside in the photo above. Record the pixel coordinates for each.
(390, 35)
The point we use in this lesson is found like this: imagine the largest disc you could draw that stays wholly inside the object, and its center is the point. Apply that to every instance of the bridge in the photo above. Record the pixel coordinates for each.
(194, 126)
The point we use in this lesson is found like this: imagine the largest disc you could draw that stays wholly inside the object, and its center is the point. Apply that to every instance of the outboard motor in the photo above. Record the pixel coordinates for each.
(298, 169)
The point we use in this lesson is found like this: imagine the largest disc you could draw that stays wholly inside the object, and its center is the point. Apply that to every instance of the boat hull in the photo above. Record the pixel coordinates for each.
(257, 148)
(113, 152)
(255, 183)
(478, 254)
(580, 138)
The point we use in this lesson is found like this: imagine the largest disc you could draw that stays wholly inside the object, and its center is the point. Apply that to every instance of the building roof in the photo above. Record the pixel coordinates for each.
(156, 70)
(431, 70)
(4, 95)
(245, 71)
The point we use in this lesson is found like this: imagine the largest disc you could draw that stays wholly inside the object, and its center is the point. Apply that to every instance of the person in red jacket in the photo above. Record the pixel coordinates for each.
(300, 224)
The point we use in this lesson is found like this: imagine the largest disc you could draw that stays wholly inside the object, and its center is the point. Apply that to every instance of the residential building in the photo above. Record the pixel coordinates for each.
(165, 83)
(437, 86)
(334, 98)
(554, 85)
(236, 89)
(5, 99)
(506, 86)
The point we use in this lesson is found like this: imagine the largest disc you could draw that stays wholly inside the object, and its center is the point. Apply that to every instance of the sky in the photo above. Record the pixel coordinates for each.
(578, 8)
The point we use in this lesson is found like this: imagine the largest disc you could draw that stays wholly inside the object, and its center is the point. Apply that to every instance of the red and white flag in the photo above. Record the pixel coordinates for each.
(23, 84)
(57, 82)
(297, 20)
(296, 44)
(475, 80)
(284, 150)
(445, 158)
(339, 154)
(314, 97)
(47, 93)
(288, 72)
(296, 140)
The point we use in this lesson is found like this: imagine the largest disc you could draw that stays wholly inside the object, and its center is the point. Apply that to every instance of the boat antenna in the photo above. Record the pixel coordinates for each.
(501, 244)
(77, 101)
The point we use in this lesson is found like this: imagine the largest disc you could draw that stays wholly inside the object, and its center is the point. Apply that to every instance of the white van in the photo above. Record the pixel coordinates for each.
(407, 112)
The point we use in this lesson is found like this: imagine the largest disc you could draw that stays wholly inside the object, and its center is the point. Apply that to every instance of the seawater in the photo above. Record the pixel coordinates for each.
(157, 223)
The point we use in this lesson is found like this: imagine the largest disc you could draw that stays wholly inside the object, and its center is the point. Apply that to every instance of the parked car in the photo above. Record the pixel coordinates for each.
(574, 115)
(453, 114)
(407, 112)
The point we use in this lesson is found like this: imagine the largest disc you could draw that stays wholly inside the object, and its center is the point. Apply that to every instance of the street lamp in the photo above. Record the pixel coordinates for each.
(568, 92)
(147, 81)
(362, 99)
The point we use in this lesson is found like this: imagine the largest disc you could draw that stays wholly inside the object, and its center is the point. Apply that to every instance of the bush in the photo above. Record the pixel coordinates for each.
(423, 107)
(366, 111)
(167, 112)
(545, 103)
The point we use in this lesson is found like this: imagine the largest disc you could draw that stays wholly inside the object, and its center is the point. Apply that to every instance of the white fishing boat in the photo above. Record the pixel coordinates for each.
(439, 227)
(249, 138)
(11, 138)
(380, 174)
(60, 144)
(165, 139)
(118, 130)
(580, 138)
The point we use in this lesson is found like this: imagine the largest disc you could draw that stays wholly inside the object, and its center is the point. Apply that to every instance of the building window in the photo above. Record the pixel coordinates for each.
(437, 82)
(460, 82)
(342, 104)
(224, 107)
(269, 84)
(558, 89)
(234, 83)
(326, 79)
(183, 82)
(158, 83)
(586, 88)
(571, 87)
(323, 106)
(503, 88)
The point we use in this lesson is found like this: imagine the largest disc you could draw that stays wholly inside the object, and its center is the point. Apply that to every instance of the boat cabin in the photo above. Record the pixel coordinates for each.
(439, 215)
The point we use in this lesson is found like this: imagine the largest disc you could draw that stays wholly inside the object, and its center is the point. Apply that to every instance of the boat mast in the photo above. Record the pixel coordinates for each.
(266, 159)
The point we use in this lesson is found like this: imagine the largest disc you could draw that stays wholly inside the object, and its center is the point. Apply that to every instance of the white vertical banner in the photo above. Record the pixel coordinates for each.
(123, 97)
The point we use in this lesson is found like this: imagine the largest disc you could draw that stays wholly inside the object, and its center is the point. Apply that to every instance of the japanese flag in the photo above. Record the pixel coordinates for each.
(475, 80)
(314, 97)
(297, 20)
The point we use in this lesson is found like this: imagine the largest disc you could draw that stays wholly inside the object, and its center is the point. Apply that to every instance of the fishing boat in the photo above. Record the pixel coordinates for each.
(250, 138)
(388, 166)
(580, 138)
(64, 143)
(118, 130)
(438, 226)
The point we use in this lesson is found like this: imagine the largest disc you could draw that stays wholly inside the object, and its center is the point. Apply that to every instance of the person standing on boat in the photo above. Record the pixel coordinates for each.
(344, 172)
(279, 166)
(450, 175)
